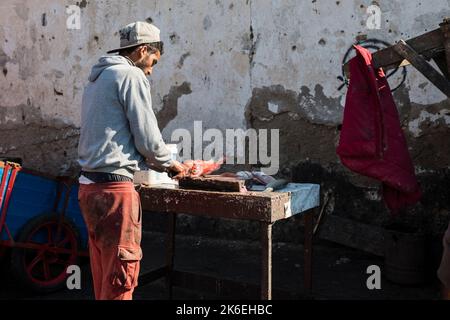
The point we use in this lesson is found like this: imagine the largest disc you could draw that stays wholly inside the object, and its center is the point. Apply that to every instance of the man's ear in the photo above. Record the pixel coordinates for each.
(141, 51)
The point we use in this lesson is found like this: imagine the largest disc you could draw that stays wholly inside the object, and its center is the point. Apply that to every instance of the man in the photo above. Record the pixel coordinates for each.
(119, 132)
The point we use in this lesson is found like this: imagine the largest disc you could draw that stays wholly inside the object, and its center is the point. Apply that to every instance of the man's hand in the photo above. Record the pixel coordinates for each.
(178, 171)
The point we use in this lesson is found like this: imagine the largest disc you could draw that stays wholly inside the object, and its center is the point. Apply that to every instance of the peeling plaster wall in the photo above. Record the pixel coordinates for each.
(231, 64)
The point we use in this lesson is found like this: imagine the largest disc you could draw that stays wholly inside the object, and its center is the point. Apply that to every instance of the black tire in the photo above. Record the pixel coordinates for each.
(42, 270)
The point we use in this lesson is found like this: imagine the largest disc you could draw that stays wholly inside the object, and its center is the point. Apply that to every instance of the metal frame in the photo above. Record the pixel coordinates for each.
(8, 184)
(155, 200)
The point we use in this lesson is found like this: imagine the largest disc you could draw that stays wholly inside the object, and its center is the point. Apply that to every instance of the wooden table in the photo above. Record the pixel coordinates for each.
(266, 208)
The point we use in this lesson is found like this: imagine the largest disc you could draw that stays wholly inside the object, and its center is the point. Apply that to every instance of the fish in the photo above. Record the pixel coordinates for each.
(198, 168)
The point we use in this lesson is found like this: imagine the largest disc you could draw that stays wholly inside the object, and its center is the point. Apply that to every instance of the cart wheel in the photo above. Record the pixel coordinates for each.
(44, 269)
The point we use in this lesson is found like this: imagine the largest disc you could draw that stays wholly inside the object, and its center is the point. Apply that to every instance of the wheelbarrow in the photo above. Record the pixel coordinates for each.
(41, 227)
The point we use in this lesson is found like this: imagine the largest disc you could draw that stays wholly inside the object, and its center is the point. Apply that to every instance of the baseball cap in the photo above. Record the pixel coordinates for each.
(137, 33)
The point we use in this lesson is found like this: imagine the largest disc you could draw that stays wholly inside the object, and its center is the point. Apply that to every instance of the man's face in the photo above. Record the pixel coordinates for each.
(146, 60)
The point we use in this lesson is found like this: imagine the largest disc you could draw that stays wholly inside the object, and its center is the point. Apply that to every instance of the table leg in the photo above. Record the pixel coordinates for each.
(308, 250)
(266, 261)
(170, 252)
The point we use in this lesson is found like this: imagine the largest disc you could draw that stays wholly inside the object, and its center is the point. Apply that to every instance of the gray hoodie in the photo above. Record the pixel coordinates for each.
(119, 129)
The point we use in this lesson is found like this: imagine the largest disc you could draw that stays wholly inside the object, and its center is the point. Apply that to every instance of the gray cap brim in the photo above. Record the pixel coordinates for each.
(126, 47)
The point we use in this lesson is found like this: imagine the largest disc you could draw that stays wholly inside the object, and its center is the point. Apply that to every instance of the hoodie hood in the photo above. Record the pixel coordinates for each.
(106, 62)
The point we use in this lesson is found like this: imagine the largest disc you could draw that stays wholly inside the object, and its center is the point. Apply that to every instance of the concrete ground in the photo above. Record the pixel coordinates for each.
(339, 272)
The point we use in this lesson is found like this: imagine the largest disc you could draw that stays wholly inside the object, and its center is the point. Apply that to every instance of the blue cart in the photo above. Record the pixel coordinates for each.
(41, 222)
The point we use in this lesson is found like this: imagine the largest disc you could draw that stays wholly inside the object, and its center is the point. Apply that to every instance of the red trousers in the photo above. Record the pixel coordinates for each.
(112, 213)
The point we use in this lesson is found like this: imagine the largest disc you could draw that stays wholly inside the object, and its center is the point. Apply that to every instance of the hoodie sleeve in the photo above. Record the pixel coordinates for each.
(137, 101)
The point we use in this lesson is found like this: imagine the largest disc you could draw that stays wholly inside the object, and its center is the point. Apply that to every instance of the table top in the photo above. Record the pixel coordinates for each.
(258, 206)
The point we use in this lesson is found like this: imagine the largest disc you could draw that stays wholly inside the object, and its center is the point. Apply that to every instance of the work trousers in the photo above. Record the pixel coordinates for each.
(112, 213)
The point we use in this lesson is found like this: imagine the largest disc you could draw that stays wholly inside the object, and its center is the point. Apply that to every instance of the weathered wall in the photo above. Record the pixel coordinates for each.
(231, 64)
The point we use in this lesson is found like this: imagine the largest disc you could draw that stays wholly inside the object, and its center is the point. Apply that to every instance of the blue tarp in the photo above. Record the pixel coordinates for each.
(303, 197)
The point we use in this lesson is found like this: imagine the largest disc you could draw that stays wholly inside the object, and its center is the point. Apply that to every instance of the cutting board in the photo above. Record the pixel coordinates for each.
(213, 183)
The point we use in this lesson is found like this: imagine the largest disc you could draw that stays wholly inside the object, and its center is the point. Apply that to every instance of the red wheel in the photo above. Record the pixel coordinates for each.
(44, 268)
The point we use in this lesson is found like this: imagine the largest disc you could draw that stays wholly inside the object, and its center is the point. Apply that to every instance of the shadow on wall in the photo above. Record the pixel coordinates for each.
(364, 203)
(48, 146)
